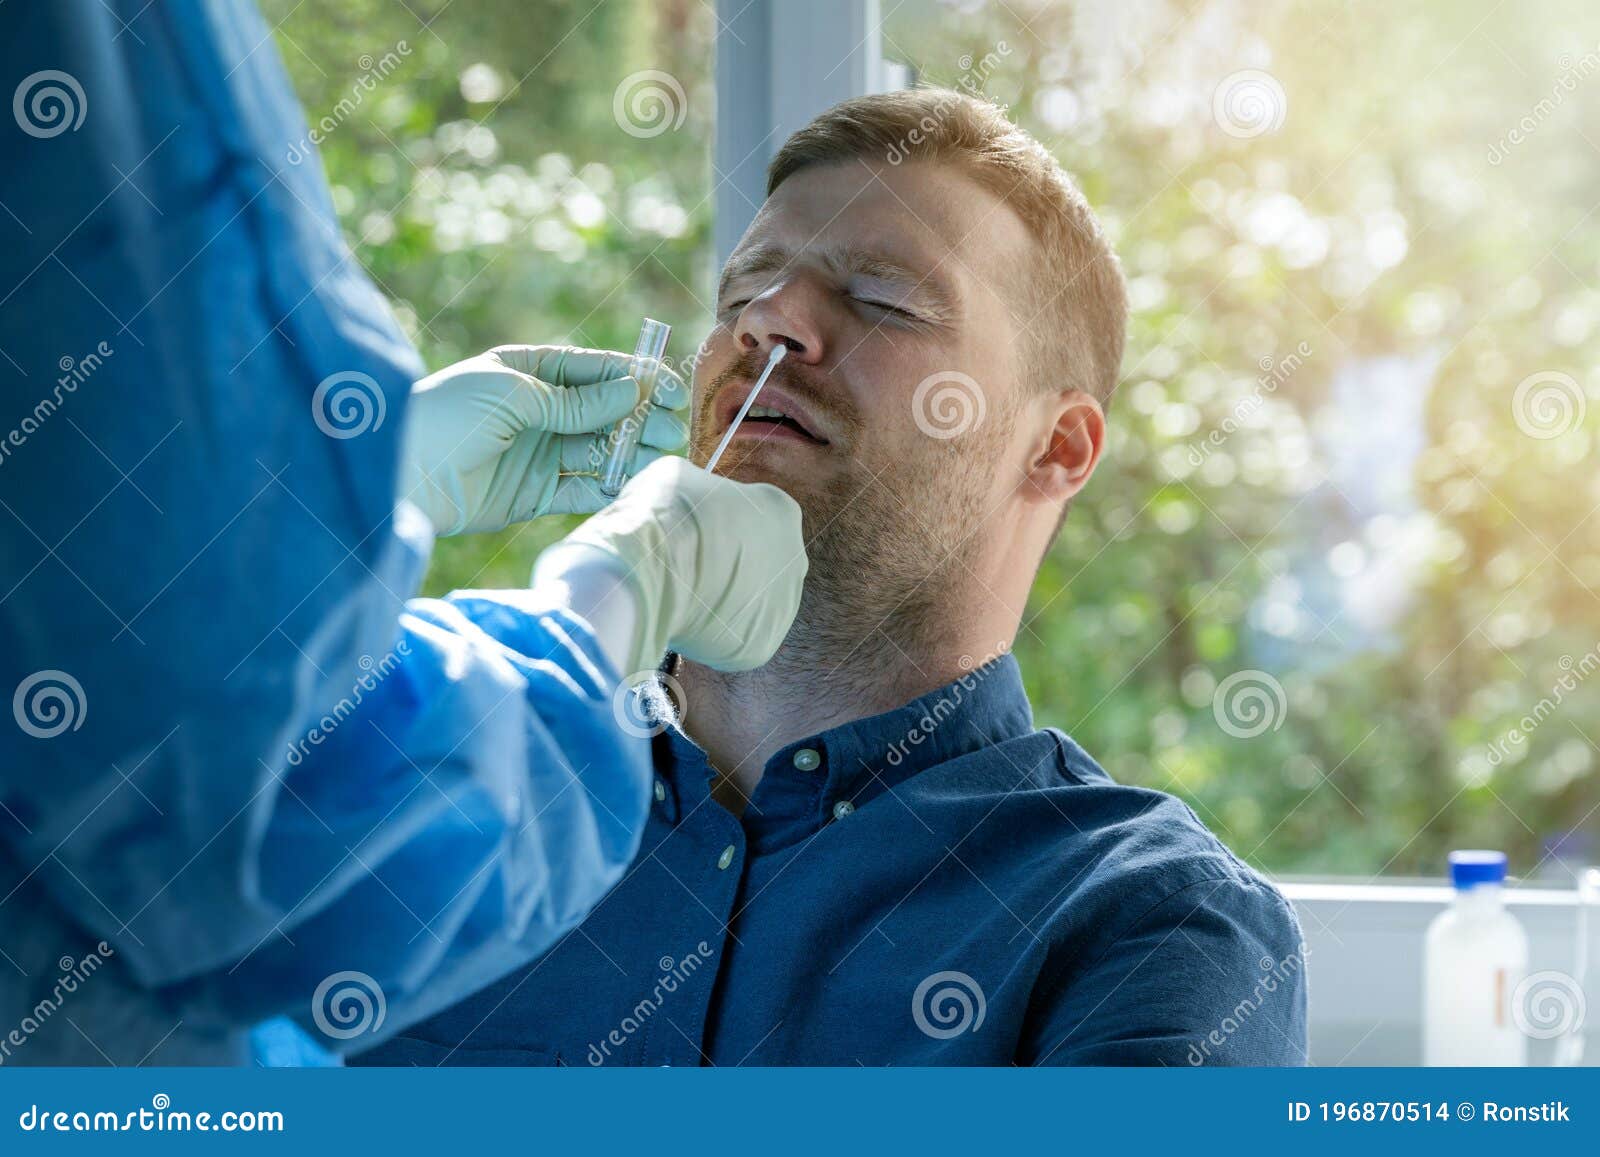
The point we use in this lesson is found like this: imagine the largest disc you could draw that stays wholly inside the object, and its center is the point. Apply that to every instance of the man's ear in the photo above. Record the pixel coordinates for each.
(1066, 455)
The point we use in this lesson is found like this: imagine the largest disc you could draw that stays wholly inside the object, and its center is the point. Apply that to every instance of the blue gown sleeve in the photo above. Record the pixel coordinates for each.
(243, 758)
(466, 802)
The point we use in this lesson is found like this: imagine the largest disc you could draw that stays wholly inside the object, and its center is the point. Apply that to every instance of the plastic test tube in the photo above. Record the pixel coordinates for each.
(625, 437)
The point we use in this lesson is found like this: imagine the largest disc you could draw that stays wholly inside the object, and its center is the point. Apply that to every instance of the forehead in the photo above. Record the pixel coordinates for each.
(931, 218)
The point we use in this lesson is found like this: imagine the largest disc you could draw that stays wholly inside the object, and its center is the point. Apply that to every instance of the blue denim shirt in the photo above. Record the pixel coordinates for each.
(940, 884)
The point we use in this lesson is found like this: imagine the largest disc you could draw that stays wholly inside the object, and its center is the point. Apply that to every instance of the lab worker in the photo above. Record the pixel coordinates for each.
(257, 802)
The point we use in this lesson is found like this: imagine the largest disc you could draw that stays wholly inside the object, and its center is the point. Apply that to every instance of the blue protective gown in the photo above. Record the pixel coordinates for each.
(242, 773)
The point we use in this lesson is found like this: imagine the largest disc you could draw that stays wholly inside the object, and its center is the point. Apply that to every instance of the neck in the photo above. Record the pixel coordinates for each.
(832, 670)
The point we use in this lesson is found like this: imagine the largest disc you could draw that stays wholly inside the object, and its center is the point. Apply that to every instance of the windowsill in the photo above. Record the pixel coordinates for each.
(1364, 961)
(1406, 891)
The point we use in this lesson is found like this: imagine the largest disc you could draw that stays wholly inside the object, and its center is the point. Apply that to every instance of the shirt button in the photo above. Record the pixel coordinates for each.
(843, 808)
(726, 858)
(807, 759)
(661, 792)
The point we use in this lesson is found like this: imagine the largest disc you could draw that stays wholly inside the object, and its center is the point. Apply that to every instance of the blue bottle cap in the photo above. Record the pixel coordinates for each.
(1470, 868)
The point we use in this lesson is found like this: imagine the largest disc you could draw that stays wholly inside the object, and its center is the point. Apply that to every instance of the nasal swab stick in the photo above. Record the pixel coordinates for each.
(773, 359)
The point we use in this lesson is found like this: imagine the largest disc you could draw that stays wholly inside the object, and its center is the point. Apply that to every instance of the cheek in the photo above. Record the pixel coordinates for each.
(713, 356)
(719, 346)
(895, 444)
(885, 371)
(950, 408)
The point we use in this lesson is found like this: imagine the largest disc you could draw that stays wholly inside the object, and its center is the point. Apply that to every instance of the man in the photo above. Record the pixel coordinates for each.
(864, 852)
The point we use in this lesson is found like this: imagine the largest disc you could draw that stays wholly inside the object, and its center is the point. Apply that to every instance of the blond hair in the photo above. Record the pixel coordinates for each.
(1076, 305)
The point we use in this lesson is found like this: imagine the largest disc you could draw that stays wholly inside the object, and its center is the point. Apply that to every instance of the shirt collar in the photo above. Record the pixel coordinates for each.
(825, 776)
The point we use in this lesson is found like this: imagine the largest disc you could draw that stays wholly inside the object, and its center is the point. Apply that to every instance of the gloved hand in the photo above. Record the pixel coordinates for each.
(715, 565)
(520, 431)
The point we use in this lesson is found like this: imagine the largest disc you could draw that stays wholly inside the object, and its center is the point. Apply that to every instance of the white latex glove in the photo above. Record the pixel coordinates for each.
(715, 566)
(521, 431)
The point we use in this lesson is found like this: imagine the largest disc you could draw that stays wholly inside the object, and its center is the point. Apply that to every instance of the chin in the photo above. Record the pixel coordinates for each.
(746, 459)
(763, 468)
(757, 463)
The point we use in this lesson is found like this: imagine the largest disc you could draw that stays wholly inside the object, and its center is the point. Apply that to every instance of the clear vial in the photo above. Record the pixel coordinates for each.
(647, 354)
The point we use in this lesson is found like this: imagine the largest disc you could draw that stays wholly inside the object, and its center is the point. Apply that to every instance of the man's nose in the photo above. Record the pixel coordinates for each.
(787, 314)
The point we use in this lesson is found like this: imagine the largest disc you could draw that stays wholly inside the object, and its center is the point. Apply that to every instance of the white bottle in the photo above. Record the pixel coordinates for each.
(1475, 955)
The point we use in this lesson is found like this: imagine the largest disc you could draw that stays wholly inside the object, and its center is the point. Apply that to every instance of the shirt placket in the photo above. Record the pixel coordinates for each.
(707, 852)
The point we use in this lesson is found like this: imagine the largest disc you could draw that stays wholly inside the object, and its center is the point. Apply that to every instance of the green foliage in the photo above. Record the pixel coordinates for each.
(489, 189)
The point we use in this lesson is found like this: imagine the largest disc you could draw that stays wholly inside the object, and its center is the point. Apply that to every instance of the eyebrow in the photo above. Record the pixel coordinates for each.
(761, 259)
(770, 258)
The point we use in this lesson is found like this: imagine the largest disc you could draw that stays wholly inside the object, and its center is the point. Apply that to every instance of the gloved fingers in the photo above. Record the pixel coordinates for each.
(582, 461)
(562, 365)
(664, 429)
(497, 396)
(577, 494)
(576, 366)
(585, 454)
(547, 362)
(671, 393)
(585, 409)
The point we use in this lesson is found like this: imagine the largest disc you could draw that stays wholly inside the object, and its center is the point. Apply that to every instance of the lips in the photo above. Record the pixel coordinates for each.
(776, 415)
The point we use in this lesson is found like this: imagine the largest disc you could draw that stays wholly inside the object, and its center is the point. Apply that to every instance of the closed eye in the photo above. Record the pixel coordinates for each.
(887, 307)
